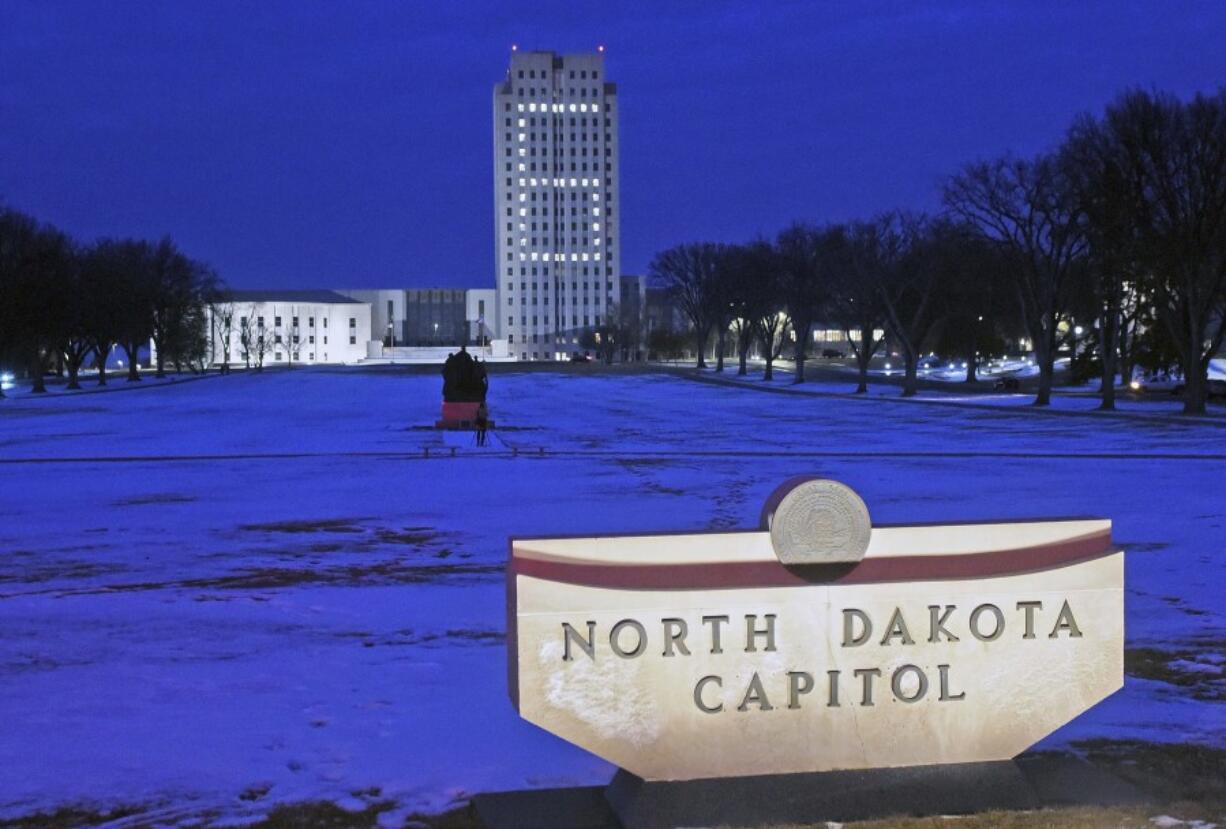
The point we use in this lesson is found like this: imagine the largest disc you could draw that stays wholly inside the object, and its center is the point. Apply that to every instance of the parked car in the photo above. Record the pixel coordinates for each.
(1157, 382)
(577, 357)
(1007, 384)
(831, 353)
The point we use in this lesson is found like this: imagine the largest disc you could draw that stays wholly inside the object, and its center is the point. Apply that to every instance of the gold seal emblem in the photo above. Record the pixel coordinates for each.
(818, 521)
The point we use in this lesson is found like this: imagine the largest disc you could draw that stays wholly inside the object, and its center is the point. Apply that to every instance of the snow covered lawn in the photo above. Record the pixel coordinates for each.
(220, 596)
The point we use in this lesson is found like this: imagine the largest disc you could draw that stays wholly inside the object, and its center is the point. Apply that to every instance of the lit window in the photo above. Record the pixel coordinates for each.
(521, 107)
(520, 122)
(596, 212)
(596, 226)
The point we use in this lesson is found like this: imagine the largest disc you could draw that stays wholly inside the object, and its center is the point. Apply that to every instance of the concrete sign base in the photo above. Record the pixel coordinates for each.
(1030, 782)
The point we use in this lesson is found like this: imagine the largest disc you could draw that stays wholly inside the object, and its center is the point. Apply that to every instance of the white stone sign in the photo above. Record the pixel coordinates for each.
(680, 657)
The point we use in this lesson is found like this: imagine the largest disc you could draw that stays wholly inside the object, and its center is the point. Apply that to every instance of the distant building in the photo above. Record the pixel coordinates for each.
(556, 200)
(633, 299)
(661, 312)
(435, 317)
(289, 327)
(387, 312)
(430, 316)
(481, 314)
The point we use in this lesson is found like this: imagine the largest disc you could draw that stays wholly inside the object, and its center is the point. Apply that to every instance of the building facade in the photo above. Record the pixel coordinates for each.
(480, 311)
(281, 328)
(387, 312)
(556, 201)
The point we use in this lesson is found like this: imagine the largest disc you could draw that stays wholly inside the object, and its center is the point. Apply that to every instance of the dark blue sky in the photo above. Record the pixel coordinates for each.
(349, 144)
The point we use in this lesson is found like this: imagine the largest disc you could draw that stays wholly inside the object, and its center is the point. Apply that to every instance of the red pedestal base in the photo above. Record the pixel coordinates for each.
(458, 416)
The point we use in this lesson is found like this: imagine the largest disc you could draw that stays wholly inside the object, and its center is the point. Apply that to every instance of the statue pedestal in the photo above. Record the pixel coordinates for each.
(460, 416)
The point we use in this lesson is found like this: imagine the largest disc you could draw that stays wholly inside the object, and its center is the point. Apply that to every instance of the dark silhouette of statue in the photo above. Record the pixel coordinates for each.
(464, 379)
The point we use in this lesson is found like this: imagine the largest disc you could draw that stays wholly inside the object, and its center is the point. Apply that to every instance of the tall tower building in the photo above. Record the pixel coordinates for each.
(555, 201)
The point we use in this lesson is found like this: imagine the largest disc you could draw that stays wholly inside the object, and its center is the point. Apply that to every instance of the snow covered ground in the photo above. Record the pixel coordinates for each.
(227, 594)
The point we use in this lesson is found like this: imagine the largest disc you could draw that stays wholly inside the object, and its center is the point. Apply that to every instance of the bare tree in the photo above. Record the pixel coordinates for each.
(1104, 183)
(688, 273)
(1029, 209)
(222, 327)
(1170, 157)
(976, 307)
(770, 317)
(805, 264)
(253, 338)
(136, 284)
(17, 237)
(104, 276)
(920, 255)
(36, 278)
(76, 343)
(858, 269)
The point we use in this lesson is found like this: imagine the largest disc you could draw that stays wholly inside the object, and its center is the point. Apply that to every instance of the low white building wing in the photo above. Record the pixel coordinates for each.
(281, 328)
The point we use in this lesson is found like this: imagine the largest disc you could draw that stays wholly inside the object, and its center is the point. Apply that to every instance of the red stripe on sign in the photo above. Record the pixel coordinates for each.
(739, 574)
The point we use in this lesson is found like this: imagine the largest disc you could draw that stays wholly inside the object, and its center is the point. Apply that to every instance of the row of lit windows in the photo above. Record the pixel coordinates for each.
(555, 182)
(595, 196)
(575, 137)
(546, 107)
(559, 152)
(259, 321)
(554, 257)
(574, 167)
(530, 92)
(560, 226)
(574, 241)
(523, 270)
(574, 286)
(277, 357)
(276, 339)
(561, 211)
(557, 122)
(545, 74)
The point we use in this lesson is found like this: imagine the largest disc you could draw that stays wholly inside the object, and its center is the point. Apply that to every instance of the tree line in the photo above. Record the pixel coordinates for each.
(1122, 226)
(64, 304)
